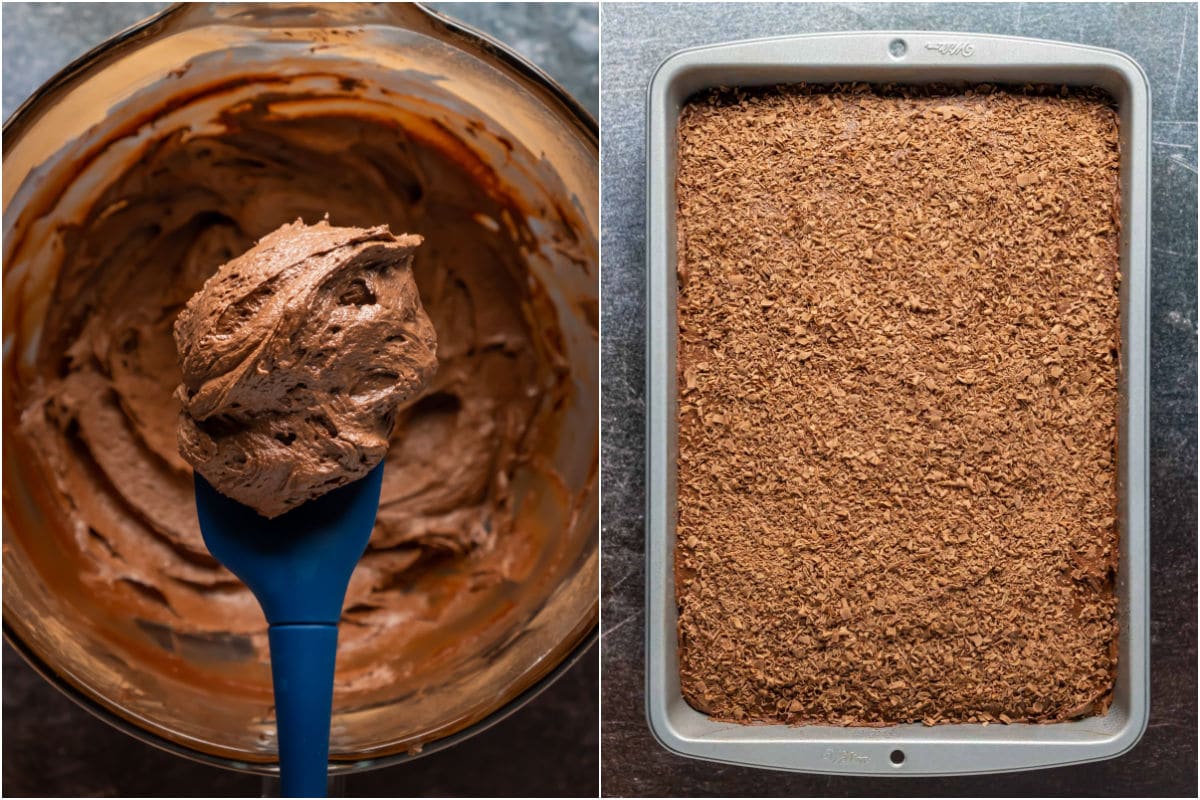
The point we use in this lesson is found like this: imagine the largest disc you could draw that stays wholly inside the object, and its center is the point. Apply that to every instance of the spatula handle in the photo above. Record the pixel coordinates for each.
(302, 662)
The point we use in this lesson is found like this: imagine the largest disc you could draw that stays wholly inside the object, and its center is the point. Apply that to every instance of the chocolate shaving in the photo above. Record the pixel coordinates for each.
(897, 375)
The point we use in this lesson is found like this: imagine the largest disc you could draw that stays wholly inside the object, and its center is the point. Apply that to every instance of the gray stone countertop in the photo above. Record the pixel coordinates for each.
(53, 748)
(635, 38)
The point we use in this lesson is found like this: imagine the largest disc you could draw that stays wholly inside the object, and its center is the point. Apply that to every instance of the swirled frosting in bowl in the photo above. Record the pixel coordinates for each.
(479, 520)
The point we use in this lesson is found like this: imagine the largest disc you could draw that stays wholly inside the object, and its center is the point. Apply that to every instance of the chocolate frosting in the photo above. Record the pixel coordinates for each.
(444, 560)
(295, 357)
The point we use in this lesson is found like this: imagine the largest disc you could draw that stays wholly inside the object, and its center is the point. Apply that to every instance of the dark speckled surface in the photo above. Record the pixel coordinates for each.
(1162, 37)
(53, 748)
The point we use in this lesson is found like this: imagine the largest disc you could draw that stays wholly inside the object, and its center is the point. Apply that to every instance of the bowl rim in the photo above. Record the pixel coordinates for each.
(494, 47)
(271, 768)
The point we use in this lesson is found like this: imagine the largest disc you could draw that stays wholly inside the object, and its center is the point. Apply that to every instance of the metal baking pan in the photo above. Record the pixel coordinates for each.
(899, 57)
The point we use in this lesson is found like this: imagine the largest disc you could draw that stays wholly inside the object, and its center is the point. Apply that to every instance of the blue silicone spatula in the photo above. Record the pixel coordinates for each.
(298, 566)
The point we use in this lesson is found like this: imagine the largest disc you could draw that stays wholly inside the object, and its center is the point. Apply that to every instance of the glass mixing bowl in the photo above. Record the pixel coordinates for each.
(208, 698)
